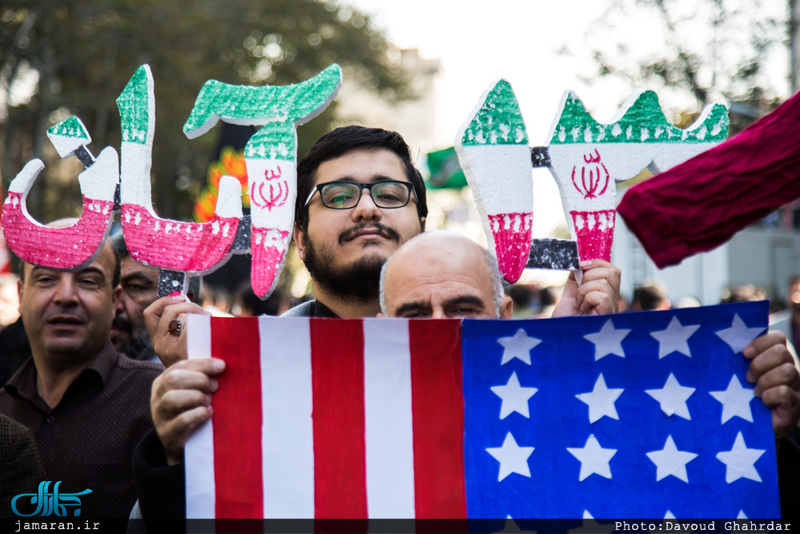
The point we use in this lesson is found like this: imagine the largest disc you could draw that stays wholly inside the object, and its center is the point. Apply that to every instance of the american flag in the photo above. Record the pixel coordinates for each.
(638, 415)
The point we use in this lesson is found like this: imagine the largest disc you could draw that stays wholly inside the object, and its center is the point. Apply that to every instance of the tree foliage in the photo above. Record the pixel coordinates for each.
(84, 51)
(711, 50)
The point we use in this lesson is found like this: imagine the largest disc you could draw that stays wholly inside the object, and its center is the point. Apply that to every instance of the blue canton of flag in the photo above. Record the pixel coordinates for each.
(640, 415)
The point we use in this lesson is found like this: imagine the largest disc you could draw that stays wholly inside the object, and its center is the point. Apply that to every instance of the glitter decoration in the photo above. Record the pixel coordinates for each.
(492, 147)
(498, 120)
(270, 155)
(641, 121)
(588, 158)
(68, 136)
(72, 247)
(192, 248)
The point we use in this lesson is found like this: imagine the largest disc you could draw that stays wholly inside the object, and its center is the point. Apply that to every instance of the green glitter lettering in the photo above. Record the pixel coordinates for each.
(276, 140)
(643, 122)
(498, 121)
(134, 109)
(241, 104)
(71, 127)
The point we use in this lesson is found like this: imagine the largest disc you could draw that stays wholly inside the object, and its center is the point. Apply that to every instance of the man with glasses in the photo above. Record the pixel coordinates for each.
(359, 199)
(343, 233)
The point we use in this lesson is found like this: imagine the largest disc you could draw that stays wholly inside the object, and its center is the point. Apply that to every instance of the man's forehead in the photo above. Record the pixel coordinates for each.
(362, 165)
(104, 262)
(131, 267)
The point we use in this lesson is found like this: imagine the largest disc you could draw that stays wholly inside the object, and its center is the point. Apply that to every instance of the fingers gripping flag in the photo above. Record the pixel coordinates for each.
(645, 415)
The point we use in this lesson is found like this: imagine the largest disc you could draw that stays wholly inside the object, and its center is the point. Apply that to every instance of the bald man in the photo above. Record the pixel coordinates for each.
(441, 274)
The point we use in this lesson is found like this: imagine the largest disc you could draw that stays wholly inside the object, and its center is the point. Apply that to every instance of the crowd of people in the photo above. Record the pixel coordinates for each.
(104, 397)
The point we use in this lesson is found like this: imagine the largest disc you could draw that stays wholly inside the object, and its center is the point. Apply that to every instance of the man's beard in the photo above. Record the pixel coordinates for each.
(139, 346)
(357, 282)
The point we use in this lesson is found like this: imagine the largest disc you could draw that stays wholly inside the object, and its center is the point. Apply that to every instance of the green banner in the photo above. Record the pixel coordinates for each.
(446, 173)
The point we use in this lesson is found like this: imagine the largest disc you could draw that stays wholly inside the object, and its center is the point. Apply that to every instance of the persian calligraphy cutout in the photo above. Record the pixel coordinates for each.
(588, 158)
(270, 155)
(492, 147)
(70, 137)
(76, 246)
(192, 248)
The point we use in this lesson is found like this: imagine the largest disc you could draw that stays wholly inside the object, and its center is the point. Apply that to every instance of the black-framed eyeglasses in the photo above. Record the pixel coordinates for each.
(345, 195)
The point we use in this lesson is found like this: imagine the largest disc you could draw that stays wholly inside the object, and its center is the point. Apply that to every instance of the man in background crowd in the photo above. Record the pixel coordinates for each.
(139, 289)
(651, 295)
(87, 405)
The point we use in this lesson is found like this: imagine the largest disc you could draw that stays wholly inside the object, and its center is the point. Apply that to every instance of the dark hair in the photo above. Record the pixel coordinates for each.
(339, 142)
(647, 298)
(117, 268)
(118, 240)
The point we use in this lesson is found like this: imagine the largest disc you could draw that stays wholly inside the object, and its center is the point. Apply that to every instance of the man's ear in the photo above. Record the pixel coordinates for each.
(422, 224)
(19, 294)
(300, 242)
(506, 308)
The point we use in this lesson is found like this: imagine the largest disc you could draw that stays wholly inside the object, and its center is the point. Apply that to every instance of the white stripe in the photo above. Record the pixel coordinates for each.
(199, 450)
(287, 436)
(388, 419)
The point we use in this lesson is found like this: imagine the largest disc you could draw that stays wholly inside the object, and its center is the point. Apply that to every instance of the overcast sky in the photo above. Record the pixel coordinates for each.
(479, 42)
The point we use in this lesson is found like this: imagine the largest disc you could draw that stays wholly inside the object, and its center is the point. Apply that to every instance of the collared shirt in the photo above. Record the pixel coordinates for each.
(310, 308)
(87, 440)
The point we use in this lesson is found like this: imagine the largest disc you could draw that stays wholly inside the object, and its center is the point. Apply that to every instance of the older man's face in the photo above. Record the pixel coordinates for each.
(139, 289)
(68, 314)
(344, 249)
(441, 279)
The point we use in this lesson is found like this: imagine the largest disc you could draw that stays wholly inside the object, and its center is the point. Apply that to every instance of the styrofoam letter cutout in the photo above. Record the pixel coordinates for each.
(270, 155)
(492, 147)
(588, 158)
(193, 248)
(72, 247)
(70, 137)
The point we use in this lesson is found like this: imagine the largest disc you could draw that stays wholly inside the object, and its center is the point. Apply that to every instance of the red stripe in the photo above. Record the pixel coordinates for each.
(437, 404)
(337, 364)
(237, 435)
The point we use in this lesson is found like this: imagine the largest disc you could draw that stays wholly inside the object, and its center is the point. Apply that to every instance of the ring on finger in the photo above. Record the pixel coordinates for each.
(175, 327)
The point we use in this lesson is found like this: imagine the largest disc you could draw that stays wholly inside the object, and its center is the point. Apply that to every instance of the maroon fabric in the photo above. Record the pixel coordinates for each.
(701, 203)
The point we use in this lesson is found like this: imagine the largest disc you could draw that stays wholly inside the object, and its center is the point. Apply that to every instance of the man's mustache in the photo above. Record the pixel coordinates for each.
(122, 323)
(387, 232)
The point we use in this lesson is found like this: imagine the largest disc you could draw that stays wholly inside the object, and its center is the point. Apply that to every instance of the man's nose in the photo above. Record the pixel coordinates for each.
(438, 313)
(366, 210)
(66, 291)
(119, 305)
